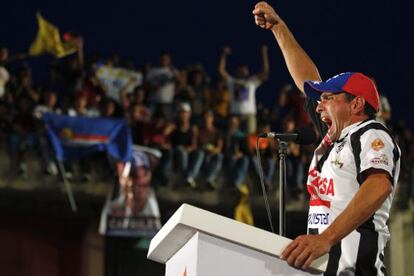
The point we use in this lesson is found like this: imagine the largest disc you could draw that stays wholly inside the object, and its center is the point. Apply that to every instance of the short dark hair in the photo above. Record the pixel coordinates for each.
(368, 109)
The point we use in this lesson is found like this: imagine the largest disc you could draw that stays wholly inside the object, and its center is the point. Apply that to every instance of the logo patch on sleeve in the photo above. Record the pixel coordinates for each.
(382, 159)
(377, 144)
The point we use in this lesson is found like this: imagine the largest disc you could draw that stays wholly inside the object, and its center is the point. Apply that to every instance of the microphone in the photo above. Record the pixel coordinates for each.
(301, 136)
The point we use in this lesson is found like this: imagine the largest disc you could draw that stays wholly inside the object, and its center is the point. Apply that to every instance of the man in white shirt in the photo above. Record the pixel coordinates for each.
(243, 88)
(354, 171)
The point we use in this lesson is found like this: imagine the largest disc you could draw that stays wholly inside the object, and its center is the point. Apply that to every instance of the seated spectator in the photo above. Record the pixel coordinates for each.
(210, 143)
(199, 83)
(23, 135)
(80, 107)
(156, 135)
(5, 121)
(184, 92)
(138, 96)
(138, 116)
(93, 89)
(184, 143)
(110, 108)
(289, 103)
(219, 102)
(236, 153)
(25, 86)
(49, 105)
(266, 149)
(295, 171)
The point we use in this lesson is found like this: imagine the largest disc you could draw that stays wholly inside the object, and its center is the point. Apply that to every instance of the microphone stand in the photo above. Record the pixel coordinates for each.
(283, 146)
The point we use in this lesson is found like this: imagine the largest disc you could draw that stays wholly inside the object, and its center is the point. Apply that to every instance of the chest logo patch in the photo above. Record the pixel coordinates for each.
(377, 144)
(337, 162)
(340, 147)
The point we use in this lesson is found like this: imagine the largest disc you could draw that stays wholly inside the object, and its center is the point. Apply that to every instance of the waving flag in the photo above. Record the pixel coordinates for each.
(73, 137)
(48, 40)
(115, 79)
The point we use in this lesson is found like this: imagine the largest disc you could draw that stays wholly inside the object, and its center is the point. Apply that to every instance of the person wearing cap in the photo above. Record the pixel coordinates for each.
(354, 171)
(184, 142)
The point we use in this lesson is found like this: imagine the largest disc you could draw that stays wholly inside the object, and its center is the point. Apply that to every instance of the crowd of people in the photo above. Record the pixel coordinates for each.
(206, 129)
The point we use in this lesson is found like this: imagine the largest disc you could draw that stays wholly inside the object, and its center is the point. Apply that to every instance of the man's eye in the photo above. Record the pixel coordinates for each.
(327, 98)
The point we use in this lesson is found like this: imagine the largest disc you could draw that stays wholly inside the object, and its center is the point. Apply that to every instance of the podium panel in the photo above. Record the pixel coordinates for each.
(199, 243)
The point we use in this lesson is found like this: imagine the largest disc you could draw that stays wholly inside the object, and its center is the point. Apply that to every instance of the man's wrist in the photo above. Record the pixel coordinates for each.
(329, 237)
(279, 27)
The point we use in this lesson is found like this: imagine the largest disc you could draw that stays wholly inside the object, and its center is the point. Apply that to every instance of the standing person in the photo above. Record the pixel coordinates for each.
(161, 83)
(243, 88)
(354, 171)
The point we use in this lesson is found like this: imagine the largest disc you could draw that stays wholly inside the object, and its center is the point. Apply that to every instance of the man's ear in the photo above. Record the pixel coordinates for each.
(358, 105)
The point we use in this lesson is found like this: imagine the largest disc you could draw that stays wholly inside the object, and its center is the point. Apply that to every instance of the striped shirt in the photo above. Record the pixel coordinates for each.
(333, 180)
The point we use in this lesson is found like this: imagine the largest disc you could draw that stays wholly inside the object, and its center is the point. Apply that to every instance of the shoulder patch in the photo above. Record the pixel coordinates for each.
(377, 144)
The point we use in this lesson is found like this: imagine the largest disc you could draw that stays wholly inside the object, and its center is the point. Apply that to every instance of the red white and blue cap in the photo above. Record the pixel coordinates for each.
(353, 83)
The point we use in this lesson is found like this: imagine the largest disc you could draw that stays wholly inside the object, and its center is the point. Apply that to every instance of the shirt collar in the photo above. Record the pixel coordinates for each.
(346, 130)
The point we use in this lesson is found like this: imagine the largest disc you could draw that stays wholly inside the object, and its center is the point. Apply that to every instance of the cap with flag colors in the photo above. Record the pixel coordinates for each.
(353, 83)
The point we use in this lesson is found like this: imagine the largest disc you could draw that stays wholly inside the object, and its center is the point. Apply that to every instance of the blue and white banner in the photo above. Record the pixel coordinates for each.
(74, 137)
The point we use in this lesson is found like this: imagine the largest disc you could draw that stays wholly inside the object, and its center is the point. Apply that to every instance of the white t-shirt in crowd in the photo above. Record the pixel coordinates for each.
(162, 79)
(243, 95)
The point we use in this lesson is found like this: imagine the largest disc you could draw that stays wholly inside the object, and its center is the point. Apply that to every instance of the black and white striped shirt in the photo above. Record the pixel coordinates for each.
(333, 181)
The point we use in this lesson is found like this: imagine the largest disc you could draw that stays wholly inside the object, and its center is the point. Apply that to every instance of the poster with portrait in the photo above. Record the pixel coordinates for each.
(131, 209)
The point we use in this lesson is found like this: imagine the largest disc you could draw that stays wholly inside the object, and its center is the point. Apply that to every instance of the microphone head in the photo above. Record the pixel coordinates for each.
(306, 136)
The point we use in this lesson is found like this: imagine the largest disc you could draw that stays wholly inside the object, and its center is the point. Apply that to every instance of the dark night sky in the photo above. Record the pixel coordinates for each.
(373, 37)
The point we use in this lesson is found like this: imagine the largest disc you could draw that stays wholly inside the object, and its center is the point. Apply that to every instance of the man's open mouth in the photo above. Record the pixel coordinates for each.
(327, 121)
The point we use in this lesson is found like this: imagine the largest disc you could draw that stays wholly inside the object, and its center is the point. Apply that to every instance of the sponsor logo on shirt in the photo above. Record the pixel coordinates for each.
(340, 147)
(318, 186)
(377, 144)
(318, 218)
(337, 162)
(382, 159)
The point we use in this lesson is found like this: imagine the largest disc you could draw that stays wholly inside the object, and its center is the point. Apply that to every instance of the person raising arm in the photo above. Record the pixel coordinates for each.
(354, 171)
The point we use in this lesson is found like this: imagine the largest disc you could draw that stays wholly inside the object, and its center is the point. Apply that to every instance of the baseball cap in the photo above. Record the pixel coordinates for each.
(353, 83)
(184, 107)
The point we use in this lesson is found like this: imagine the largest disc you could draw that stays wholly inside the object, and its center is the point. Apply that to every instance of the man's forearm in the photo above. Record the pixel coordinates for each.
(299, 64)
(222, 66)
(265, 64)
(372, 194)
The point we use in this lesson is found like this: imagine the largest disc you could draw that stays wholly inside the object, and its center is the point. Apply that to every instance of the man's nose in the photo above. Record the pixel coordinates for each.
(319, 107)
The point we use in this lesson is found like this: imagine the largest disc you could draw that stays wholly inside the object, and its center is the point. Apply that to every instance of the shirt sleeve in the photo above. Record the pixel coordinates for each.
(377, 152)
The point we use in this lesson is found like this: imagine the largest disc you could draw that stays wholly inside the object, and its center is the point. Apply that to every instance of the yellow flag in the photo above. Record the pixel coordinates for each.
(243, 211)
(48, 41)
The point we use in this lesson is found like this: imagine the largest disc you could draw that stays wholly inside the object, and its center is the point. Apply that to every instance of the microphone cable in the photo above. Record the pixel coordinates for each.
(266, 201)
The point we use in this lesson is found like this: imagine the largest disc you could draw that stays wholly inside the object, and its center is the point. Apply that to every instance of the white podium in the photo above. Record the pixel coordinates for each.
(195, 242)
